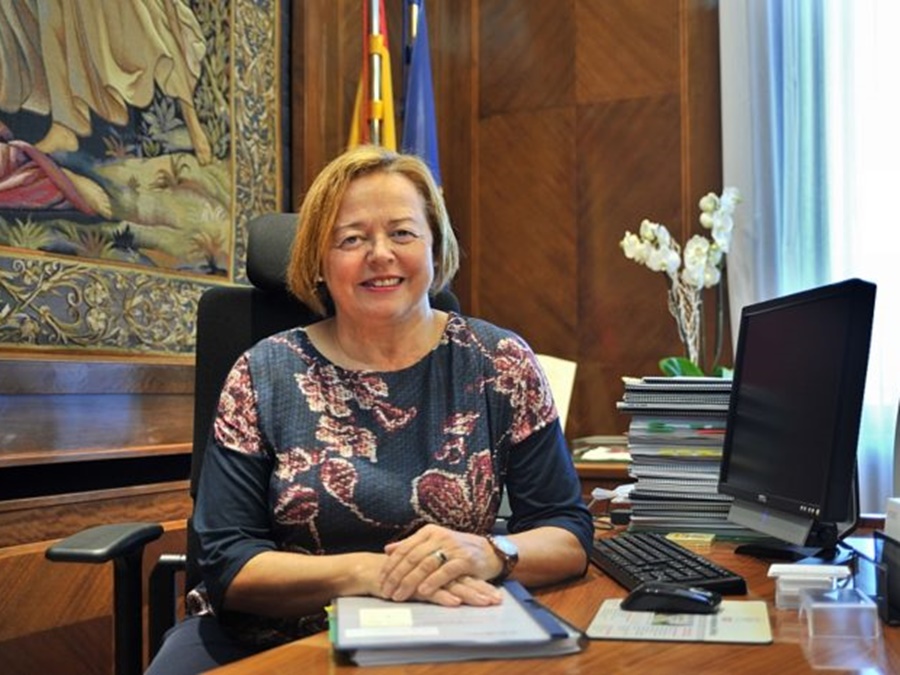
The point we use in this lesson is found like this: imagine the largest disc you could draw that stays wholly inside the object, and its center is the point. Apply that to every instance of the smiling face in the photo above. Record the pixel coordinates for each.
(380, 264)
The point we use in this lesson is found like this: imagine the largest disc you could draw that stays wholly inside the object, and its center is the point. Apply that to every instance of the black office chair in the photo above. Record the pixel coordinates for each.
(230, 319)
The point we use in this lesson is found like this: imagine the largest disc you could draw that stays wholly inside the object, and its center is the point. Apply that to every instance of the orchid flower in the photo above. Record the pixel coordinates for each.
(703, 259)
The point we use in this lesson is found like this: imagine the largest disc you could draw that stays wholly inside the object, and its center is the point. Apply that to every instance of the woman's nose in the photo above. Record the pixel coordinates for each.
(381, 246)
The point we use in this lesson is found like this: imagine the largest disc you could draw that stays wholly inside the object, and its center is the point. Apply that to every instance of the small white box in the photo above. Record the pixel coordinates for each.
(892, 518)
(787, 589)
(790, 579)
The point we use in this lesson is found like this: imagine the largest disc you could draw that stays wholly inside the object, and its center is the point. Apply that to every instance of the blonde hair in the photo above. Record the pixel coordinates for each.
(320, 207)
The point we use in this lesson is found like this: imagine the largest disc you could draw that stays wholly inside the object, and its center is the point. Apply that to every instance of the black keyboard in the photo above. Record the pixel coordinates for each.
(632, 558)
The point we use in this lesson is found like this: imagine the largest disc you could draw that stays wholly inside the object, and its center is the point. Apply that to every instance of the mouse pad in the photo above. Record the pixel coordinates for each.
(737, 621)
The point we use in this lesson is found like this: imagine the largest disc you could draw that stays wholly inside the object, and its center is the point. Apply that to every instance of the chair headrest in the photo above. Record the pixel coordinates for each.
(269, 239)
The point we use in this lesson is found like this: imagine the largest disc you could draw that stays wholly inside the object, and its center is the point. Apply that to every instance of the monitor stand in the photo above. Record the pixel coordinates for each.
(804, 555)
(821, 539)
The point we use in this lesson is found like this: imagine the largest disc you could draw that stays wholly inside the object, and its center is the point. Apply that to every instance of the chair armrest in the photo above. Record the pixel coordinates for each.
(122, 544)
(103, 543)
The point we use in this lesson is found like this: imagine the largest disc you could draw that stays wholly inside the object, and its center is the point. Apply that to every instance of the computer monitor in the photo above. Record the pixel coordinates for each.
(789, 455)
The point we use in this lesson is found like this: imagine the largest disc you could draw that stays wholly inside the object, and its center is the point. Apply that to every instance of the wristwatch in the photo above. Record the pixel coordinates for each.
(508, 553)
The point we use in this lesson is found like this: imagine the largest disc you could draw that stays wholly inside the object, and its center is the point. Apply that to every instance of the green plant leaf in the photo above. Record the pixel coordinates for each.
(723, 372)
(679, 366)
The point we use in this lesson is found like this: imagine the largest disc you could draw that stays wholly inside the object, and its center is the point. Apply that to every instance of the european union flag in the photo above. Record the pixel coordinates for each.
(419, 127)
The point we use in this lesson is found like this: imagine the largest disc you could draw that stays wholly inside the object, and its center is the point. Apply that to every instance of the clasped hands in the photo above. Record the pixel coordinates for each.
(442, 566)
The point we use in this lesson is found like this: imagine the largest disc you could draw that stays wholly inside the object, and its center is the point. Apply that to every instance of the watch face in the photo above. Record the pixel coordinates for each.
(506, 546)
(508, 553)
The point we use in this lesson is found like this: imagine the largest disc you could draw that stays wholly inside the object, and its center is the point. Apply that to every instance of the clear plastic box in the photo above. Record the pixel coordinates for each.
(840, 613)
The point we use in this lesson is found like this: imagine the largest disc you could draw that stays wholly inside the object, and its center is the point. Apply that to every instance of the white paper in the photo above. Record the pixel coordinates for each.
(737, 621)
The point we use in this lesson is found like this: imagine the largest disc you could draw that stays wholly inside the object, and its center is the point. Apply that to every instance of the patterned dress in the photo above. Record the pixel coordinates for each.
(312, 458)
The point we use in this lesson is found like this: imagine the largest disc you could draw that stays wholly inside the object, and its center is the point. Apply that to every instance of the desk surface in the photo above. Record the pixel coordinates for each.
(578, 602)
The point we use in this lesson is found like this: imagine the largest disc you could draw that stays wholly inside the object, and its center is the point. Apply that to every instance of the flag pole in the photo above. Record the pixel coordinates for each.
(411, 24)
(375, 70)
(413, 21)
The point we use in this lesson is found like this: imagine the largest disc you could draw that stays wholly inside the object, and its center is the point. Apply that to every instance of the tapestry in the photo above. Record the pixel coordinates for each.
(137, 138)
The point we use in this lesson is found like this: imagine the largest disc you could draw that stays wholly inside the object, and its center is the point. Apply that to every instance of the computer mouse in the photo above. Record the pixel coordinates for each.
(659, 596)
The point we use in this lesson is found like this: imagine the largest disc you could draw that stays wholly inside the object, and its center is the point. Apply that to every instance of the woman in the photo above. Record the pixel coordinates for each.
(366, 454)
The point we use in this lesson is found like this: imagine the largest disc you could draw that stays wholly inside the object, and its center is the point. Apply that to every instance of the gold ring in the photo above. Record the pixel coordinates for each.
(441, 557)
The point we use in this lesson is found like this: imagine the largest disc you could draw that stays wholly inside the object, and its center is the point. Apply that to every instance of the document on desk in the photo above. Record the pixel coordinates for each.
(737, 621)
(371, 631)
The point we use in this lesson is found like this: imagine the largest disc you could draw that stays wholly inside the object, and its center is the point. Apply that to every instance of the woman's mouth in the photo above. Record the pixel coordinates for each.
(383, 283)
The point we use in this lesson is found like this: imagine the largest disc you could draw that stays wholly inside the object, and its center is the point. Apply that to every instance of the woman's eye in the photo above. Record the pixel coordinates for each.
(404, 235)
(350, 242)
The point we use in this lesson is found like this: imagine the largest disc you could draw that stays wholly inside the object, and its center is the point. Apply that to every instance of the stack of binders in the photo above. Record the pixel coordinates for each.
(675, 439)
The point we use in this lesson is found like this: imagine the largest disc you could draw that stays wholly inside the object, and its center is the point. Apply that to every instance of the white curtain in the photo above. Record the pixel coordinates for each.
(810, 96)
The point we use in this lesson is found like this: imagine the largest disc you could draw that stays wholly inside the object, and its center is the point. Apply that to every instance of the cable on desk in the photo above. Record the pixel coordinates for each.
(853, 563)
(603, 519)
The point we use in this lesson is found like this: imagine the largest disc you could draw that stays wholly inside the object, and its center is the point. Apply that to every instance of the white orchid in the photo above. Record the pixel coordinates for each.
(653, 247)
(696, 255)
(703, 260)
(716, 215)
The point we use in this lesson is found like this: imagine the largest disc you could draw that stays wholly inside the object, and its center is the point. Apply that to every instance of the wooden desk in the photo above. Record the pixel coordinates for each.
(578, 601)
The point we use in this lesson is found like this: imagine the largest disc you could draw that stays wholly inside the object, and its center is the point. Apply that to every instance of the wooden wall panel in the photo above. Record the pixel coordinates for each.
(526, 55)
(80, 648)
(322, 54)
(629, 171)
(57, 617)
(528, 238)
(23, 521)
(453, 32)
(527, 146)
(644, 93)
(632, 174)
(702, 116)
(626, 49)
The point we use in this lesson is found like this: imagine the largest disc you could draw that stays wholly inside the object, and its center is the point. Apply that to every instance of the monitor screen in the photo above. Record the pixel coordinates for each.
(789, 455)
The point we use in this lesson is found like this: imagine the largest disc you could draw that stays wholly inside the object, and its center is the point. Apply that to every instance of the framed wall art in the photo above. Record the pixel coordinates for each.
(137, 138)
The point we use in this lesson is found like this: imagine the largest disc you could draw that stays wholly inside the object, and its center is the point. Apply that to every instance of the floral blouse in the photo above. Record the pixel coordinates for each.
(312, 458)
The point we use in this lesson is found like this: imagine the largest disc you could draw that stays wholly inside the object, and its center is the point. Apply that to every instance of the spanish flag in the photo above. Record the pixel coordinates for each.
(419, 125)
(373, 112)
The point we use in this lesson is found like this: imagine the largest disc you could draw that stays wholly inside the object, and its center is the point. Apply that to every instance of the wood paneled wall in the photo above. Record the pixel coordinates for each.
(82, 444)
(56, 618)
(593, 115)
(561, 125)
